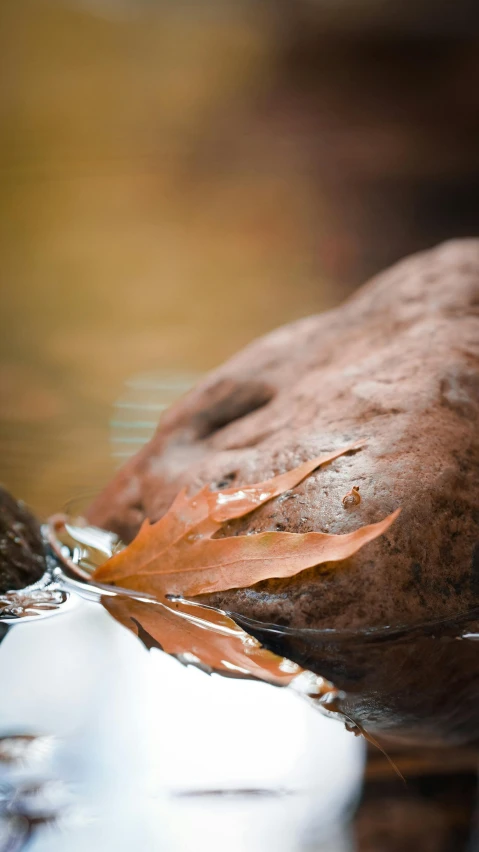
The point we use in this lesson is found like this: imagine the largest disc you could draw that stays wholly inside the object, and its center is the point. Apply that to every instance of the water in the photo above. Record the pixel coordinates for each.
(136, 749)
(105, 744)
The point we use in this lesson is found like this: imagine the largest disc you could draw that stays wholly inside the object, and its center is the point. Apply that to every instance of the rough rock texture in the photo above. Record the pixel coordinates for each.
(22, 560)
(398, 366)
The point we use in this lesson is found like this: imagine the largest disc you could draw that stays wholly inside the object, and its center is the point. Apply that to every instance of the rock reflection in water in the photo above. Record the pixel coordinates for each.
(417, 684)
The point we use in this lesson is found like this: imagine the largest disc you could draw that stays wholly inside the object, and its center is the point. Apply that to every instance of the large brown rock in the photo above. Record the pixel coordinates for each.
(398, 366)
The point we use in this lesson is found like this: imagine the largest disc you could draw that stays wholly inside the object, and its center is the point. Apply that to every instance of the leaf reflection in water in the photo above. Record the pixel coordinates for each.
(132, 730)
(195, 634)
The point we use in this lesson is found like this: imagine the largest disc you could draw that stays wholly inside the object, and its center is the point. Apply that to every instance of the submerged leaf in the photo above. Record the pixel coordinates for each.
(201, 635)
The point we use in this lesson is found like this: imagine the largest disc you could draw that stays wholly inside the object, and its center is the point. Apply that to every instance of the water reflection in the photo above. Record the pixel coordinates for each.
(418, 684)
(141, 745)
(120, 746)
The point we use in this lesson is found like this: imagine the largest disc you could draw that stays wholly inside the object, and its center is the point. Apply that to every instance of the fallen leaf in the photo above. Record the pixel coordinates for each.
(190, 520)
(215, 565)
(178, 555)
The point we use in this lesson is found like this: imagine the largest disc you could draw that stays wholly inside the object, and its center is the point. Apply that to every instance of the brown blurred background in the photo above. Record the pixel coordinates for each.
(179, 177)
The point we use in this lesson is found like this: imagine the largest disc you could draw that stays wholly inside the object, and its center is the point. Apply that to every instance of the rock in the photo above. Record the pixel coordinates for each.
(22, 560)
(398, 366)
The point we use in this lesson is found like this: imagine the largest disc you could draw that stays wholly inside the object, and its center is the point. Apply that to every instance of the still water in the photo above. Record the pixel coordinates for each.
(131, 748)
(106, 741)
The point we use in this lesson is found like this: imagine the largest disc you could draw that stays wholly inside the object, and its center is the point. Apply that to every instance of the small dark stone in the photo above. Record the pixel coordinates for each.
(22, 559)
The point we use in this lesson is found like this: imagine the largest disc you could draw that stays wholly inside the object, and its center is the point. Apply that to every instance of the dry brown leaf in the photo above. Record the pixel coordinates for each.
(190, 520)
(215, 565)
(178, 556)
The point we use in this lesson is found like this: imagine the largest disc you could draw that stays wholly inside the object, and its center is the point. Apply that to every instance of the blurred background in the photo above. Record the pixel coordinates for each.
(177, 178)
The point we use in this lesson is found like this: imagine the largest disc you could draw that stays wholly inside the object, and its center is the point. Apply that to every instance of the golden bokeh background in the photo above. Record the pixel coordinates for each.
(178, 178)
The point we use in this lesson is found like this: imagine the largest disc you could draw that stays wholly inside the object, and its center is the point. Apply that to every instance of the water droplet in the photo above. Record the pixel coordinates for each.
(288, 666)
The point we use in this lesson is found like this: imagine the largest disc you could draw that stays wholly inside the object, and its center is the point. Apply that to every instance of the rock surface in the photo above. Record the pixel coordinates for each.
(22, 560)
(398, 366)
